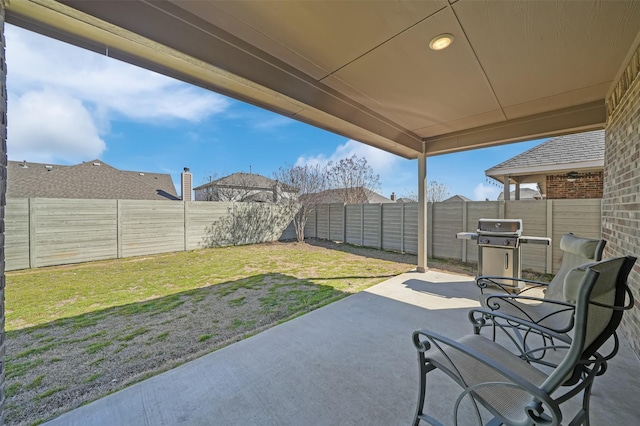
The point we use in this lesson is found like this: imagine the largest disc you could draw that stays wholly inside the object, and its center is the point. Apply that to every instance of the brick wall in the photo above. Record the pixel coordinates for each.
(586, 185)
(621, 195)
(3, 190)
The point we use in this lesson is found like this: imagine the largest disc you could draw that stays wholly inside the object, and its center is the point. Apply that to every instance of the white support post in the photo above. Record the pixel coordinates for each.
(549, 265)
(422, 213)
(507, 188)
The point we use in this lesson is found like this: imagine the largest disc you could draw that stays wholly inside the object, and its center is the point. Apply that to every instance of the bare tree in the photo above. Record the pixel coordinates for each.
(352, 178)
(437, 191)
(309, 181)
(412, 196)
(207, 192)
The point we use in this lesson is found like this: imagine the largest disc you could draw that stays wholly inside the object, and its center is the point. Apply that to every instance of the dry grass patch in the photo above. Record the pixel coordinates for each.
(77, 333)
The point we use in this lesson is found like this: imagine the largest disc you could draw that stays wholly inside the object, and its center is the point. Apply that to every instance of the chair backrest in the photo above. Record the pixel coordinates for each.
(576, 251)
(599, 291)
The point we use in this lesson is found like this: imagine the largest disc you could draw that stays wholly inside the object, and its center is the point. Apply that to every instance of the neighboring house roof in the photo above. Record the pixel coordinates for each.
(245, 180)
(405, 200)
(333, 196)
(457, 198)
(580, 151)
(525, 194)
(90, 180)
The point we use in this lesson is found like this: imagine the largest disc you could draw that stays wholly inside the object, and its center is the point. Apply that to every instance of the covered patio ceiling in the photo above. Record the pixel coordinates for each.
(364, 69)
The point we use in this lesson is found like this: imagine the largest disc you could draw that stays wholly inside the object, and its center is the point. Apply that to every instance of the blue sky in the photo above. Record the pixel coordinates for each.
(68, 105)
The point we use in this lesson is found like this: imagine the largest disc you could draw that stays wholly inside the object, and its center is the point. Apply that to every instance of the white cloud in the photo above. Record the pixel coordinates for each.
(396, 173)
(83, 92)
(36, 62)
(483, 192)
(47, 123)
(380, 161)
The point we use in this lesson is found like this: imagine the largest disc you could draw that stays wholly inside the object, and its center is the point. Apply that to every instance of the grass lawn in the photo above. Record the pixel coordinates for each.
(76, 333)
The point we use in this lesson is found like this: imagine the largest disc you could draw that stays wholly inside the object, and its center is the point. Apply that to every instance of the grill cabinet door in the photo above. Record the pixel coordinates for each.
(500, 262)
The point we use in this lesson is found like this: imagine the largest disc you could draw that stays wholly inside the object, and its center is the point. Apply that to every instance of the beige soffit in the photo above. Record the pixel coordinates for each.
(516, 70)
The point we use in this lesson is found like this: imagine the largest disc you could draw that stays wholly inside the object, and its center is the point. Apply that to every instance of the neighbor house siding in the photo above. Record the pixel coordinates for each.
(621, 198)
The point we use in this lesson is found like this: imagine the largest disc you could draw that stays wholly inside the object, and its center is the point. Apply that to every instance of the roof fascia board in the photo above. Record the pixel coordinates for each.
(229, 66)
(518, 171)
(580, 118)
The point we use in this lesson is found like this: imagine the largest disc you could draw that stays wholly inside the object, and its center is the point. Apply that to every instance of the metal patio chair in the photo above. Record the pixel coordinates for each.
(512, 388)
(551, 311)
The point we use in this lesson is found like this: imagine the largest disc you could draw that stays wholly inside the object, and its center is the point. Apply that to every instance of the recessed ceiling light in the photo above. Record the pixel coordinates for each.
(441, 41)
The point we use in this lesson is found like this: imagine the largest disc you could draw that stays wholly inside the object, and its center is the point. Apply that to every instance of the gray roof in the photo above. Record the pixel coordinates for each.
(457, 198)
(587, 147)
(245, 180)
(333, 196)
(90, 180)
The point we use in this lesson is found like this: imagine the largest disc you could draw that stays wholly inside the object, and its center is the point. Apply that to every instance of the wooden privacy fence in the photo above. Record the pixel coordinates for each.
(395, 226)
(45, 231)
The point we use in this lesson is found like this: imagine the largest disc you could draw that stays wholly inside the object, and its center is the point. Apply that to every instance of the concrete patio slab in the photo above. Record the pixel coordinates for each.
(348, 363)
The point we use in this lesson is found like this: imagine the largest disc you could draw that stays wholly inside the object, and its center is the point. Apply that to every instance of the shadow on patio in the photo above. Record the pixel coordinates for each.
(348, 363)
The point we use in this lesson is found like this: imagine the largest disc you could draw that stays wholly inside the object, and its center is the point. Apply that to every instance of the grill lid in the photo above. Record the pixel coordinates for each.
(502, 227)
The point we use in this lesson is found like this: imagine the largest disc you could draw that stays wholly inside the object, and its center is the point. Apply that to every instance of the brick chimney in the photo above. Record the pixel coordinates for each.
(186, 183)
(393, 196)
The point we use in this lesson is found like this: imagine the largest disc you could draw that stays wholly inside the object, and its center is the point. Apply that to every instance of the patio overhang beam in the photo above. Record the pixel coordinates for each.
(581, 118)
(227, 65)
(136, 32)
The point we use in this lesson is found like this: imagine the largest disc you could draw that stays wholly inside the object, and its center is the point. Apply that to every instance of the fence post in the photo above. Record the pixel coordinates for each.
(315, 222)
(549, 265)
(362, 224)
(328, 222)
(186, 224)
(119, 229)
(402, 228)
(381, 220)
(32, 234)
(344, 223)
(465, 213)
(502, 209)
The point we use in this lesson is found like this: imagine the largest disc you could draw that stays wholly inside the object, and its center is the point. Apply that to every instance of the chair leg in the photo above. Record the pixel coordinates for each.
(421, 388)
(586, 398)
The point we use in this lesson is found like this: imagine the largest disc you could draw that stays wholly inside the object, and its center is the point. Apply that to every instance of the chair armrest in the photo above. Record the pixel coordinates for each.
(478, 317)
(546, 310)
(493, 300)
(483, 281)
(531, 340)
(437, 351)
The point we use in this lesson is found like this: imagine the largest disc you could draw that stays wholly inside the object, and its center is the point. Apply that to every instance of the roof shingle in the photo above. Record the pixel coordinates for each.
(90, 180)
(579, 147)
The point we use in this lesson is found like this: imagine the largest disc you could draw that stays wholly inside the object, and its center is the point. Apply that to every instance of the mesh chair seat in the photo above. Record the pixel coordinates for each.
(507, 400)
(549, 311)
(508, 384)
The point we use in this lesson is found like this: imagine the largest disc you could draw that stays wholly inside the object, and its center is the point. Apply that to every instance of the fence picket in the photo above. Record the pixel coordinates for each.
(42, 232)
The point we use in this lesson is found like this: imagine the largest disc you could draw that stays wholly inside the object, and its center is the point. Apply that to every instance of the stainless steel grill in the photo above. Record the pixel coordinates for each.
(499, 242)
